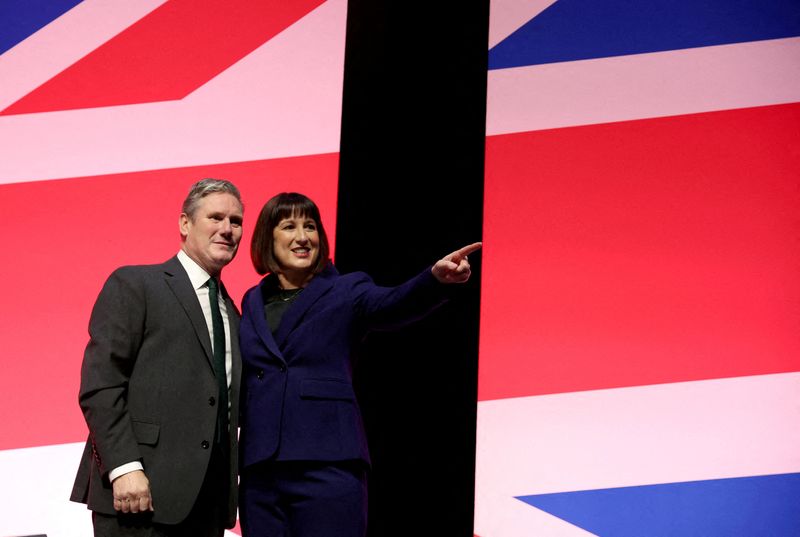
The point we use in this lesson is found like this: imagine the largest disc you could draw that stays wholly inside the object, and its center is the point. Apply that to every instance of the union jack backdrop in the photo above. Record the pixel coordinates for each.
(640, 314)
(109, 111)
(640, 317)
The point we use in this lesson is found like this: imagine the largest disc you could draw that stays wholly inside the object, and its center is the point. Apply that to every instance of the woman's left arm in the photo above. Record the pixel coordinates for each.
(392, 307)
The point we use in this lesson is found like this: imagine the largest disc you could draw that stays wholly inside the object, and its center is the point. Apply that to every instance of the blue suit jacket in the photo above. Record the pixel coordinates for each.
(298, 401)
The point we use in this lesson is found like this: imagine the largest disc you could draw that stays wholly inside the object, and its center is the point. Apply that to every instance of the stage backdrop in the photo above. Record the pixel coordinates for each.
(640, 315)
(108, 112)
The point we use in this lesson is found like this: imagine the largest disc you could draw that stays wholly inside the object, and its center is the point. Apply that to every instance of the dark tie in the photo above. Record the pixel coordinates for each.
(219, 361)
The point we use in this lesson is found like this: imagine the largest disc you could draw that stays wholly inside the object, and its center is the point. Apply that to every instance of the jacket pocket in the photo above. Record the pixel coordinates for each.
(146, 433)
(327, 389)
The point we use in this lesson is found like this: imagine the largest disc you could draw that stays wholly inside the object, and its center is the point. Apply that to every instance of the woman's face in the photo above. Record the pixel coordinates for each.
(295, 244)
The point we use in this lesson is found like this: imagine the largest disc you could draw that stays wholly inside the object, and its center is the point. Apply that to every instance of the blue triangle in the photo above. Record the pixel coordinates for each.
(763, 506)
(21, 18)
(571, 30)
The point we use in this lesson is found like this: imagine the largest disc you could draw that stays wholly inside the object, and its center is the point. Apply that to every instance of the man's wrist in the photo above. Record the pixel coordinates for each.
(124, 469)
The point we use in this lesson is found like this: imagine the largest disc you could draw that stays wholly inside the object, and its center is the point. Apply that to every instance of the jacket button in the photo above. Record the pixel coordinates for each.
(282, 368)
(212, 401)
(204, 444)
(260, 374)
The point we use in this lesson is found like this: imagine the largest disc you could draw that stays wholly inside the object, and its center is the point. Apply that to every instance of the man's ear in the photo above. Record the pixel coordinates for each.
(184, 222)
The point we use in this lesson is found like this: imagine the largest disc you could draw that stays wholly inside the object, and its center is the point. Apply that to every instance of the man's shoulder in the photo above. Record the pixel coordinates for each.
(170, 265)
(146, 272)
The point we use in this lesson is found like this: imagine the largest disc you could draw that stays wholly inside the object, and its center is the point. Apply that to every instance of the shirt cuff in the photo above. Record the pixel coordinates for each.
(124, 469)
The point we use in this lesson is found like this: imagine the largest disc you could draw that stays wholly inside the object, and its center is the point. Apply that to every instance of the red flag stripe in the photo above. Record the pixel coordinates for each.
(166, 55)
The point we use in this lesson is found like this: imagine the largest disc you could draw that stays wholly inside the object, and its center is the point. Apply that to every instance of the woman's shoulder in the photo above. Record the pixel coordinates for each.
(349, 278)
(257, 289)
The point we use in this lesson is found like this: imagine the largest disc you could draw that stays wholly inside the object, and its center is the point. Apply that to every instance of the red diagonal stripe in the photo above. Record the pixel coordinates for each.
(167, 55)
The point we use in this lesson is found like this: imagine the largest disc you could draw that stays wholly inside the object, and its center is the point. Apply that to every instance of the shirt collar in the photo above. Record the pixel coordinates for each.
(197, 275)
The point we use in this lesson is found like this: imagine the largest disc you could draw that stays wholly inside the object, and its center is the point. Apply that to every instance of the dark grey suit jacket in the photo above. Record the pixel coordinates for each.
(148, 390)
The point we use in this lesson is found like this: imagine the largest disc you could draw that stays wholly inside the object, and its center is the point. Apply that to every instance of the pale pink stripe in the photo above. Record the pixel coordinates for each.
(282, 100)
(506, 16)
(643, 86)
(35, 498)
(632, 436)
(63, 42)
(505, 516)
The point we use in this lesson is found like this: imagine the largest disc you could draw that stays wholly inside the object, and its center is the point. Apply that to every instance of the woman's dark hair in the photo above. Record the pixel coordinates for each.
(284, 205)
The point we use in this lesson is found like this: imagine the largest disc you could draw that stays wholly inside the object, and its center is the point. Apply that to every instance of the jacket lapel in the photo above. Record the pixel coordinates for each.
(178, 282)
(254, 310)
(317, 287)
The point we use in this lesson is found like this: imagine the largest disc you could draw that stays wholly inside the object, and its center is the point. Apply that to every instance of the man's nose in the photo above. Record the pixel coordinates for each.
(227, 228)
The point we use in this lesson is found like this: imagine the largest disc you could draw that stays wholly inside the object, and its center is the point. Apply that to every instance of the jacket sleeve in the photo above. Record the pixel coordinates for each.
(115, 334)
(384, 308)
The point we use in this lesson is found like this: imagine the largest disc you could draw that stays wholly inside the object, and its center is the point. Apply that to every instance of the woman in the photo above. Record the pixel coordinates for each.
(303, 446)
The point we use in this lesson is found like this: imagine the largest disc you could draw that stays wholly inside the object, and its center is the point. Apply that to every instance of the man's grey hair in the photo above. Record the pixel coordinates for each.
(203, 188)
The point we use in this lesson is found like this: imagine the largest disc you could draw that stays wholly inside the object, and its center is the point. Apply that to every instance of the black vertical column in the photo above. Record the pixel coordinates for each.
(411, 191)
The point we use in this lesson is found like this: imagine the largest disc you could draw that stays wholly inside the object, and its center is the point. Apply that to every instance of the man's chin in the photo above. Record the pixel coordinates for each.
(223, 252)
(223, 260)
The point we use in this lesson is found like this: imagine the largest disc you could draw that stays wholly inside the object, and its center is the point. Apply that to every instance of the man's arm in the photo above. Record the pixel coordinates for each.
(116, 329)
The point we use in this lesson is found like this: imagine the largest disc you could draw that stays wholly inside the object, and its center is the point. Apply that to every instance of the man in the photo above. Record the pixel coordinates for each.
(160, 384)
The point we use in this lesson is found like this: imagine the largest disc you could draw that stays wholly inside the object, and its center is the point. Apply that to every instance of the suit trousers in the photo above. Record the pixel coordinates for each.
(304, 499)
(206, 519)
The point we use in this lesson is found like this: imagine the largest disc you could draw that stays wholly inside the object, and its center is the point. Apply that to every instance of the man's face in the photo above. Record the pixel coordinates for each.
(212, 237)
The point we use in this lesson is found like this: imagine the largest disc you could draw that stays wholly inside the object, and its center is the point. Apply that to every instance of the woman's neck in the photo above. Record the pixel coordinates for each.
(294, 280)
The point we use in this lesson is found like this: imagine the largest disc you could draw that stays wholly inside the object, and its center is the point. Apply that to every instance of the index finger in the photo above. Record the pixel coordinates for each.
(466, 250)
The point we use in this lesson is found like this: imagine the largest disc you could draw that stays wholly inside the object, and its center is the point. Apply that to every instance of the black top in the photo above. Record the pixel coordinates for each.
(276, 302)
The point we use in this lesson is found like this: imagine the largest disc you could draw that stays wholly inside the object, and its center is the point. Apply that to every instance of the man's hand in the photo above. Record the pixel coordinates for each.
(132, 493)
